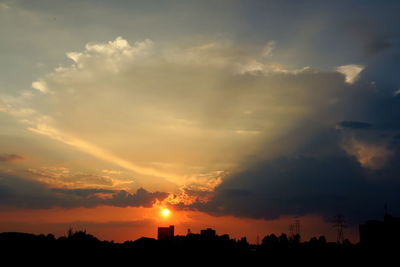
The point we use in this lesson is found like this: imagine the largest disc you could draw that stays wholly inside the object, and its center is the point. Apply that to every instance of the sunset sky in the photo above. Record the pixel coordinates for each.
(243, 116)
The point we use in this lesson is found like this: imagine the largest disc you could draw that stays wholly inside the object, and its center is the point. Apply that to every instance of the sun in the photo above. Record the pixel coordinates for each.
(165, 212)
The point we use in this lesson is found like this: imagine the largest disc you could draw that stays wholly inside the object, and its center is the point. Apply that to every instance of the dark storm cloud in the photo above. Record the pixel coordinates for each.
(23, 193)
(10, 157)
(318, 177)
(303, 185)
(327, 181)
(377, 44)
(372, 36)
(350, 169)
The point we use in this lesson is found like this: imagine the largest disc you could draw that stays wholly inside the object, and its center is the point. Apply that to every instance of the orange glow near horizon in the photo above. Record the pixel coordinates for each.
(121, 224)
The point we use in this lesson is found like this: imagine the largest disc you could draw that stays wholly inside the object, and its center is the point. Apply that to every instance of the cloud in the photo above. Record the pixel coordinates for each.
(268, 49)
(64, 177)
(350, 72)
(11, 157)
(348, 167)
(113, 55)
(19, 192)
(324, 167)
(377, 44)
(372, 156)
(354, 124)
(141, 198)
(188, 102)
(82, 192)
(41, 86)
(16, 106)
(111, 171)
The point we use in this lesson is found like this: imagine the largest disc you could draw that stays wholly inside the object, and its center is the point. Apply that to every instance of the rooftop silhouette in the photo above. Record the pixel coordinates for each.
(165, 233)
(374, 233)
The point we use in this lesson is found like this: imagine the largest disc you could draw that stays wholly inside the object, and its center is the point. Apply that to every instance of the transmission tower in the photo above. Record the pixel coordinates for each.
(291, 231)
(297, 227)
(340, 224)
(294, 229)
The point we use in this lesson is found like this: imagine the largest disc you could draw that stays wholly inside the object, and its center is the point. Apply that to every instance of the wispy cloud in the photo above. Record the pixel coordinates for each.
(97, 152)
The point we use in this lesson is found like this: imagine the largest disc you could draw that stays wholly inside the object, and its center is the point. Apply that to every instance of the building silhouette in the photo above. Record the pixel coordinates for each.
(208, 233)
(166, 233)
(380, 233)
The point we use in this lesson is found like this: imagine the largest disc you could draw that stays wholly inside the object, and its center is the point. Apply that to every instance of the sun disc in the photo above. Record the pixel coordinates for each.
(165, 212)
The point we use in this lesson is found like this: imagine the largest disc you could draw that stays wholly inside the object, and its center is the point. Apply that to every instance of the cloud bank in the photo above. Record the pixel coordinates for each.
(239, 133)
(30, 194)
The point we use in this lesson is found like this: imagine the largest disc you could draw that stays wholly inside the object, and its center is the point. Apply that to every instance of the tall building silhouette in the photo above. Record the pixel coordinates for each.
(380, 233)
(166, 233)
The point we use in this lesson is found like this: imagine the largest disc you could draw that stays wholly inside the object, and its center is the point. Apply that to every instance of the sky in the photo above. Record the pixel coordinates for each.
(243, 116)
